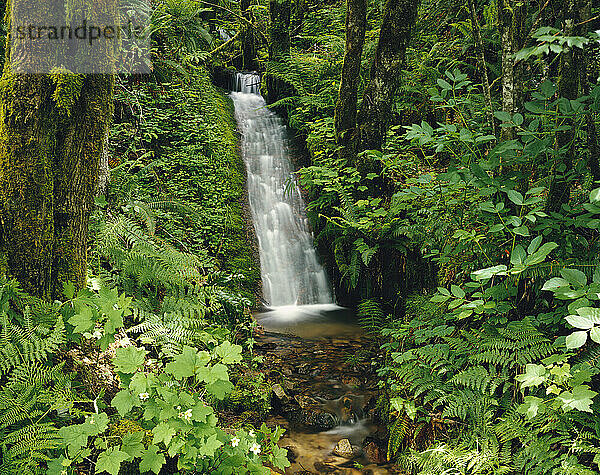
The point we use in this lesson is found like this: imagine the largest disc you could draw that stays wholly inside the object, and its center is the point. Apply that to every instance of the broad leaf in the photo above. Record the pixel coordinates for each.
(576, 339)
(152, 461)
(129, 359)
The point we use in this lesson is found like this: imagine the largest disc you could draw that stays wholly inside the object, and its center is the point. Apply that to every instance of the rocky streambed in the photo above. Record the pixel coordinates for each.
(325, 395)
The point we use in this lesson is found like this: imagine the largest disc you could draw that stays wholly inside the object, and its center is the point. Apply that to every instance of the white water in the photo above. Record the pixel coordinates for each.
(291, 272)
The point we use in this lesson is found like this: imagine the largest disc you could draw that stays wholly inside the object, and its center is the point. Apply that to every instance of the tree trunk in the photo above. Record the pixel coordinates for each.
(568, 87)
(581, 59)
(345, 108)
(52, 129)
(248, 38)
(485, 80)
(280, 29)
(511, 19)
(398, 20)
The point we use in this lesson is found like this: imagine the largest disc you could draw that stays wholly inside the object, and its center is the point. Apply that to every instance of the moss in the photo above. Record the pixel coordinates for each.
(251, 395)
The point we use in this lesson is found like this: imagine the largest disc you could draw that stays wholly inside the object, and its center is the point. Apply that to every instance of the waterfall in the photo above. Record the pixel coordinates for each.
(290, 269)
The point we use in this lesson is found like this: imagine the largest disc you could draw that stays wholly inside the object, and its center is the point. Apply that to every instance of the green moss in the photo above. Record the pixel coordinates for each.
(189, 134)
(252, 394)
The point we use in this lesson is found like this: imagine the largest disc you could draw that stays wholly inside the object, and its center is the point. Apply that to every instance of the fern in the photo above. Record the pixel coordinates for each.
(32, 385)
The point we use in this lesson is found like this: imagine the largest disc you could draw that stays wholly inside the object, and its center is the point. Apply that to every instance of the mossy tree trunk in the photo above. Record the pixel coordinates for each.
(568, 87)
(248, 38)
(52, 131)
(386, 71)
(279, 32)
(512, 15)
(345, 108)
(485, 80)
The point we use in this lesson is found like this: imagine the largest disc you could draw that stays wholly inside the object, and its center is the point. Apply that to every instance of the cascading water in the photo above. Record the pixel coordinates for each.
(291, 272)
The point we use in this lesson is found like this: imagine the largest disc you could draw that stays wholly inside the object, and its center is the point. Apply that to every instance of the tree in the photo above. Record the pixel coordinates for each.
(568, 88)
(398, 20)
(345, 108)
(52, 130)
(248, 37)
(280, 11)
(512, 15)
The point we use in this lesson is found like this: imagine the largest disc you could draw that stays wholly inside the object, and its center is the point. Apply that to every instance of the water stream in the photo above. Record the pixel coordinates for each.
(296, 289)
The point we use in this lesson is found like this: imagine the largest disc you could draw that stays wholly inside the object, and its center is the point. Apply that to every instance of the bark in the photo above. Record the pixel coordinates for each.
(51, 141)
(511, 19)
(581, 59)
(390, 55)
(485, 80)
(248, 38)
(345, 108)
(279, 31)
(568, 87)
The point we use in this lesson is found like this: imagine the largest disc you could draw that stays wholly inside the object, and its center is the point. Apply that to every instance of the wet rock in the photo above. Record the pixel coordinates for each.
(322, 467)
(374, 453)
(292, 453)
(279, 392)
(344, 449)
(306, 402)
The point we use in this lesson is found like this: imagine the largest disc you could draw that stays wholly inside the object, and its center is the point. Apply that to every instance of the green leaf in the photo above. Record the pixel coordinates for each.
(595, 334)
(132, 444)
(69, 289)
(220, 389)
(488, 272)
(229, 353)
(73, 437)
(152, 461)
(163, 432)
(575, 277)
(579, 322)
(580, 398)
(217, 372)
(531, 406)
(534, 376)
(124, 402)
(279, 459)
(515, 197)
(129, 359)
(541, 254)
(110, 461)
(555, 283)
(502, 116)
(547, 89)
(188, 363)
(595, 195)
(457, 292)
(83, 321)
(534, 244)
(518, 255)
(211, 444)
(521, 230)
(576, 340)
(444, 84)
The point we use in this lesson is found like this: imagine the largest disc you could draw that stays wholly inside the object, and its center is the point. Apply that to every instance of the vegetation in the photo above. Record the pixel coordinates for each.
(453, 185)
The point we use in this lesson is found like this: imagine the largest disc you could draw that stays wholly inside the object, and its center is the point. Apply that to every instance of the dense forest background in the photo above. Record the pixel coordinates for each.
(452, 181)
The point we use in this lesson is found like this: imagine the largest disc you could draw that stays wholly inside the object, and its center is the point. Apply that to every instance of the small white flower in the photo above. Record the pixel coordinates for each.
(235, 442)
(97, 334)
(91, 420)
(144, 396)
(186, 416)
(255, 448)
(251, 433)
